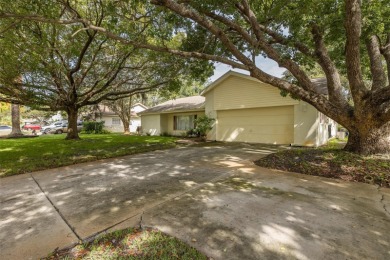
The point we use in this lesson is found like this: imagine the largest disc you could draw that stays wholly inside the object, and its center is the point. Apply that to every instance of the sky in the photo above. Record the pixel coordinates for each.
(268, 65)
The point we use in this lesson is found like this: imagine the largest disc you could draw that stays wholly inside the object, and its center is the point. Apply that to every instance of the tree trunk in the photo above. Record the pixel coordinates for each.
(72, 133)
(367, 140)
(127, 118)
(126, 127)
(15, 114)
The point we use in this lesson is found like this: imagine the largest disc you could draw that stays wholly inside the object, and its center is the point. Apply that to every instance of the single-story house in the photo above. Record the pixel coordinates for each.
(113, 123)
(245, 110)
(174, 117)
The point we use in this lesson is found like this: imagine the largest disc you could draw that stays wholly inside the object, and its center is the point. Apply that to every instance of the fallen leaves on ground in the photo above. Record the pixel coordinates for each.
(331, 163)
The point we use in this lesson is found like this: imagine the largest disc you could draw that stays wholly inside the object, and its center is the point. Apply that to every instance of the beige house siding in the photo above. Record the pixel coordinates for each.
(273, 125)
(164, 123)
(323, 129)
(151, 124)
(306, 123)
(211, 112)
(112, 127)
(108, 124)
(311, 128)
(237, 93)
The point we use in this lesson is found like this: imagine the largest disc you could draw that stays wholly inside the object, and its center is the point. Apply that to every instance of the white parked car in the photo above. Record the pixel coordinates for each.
(5, 130)
(60, 127)
(54, 126)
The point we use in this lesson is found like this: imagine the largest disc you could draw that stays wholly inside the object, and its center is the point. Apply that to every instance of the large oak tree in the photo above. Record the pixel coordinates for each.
(67, 67)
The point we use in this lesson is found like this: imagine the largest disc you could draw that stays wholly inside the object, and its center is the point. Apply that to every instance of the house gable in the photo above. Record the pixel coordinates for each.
(237, 91)
(138, 108)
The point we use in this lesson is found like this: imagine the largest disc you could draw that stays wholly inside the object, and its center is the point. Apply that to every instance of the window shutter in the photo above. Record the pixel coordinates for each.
(174, 122)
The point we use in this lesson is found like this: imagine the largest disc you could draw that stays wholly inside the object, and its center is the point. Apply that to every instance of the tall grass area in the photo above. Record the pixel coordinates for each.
(23, 155)
(131, 244)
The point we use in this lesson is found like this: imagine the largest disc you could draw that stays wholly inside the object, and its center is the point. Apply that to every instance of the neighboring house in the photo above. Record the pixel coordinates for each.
(113, 123)
(246, 110)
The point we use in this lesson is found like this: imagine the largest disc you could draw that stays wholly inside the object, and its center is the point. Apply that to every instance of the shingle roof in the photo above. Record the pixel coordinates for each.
(321, 85)
(106, 111)
(177, 105)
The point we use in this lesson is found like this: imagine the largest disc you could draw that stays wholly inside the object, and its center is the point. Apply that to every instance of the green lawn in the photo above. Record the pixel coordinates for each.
(31, 154)
(131, 244)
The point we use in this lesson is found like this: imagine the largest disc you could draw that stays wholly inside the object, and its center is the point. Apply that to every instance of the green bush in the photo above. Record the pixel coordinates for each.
(193, 133)
(92, 127)
(203, 125)
(165, 134)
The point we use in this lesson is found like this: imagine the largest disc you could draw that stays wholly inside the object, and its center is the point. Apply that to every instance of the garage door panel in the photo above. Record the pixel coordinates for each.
(258, 120)
(260, 125)
(265, 111)
(263, 130)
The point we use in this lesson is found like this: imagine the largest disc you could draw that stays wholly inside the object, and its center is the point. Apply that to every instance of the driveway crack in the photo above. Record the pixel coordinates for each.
(57, 209)
(382, 200)
(140, 220)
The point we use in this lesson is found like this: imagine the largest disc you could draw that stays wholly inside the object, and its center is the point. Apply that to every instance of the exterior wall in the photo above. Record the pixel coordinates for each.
(164, 123)
(237, 93)
(326, 129)
(109, 126)
(272, 125)
(135, 122)
(151, 124)
(312, 128)
(306, 125)
(170, 123)
(211, 112)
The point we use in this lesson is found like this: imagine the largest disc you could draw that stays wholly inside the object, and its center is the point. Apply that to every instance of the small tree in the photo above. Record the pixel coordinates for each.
(203, 125)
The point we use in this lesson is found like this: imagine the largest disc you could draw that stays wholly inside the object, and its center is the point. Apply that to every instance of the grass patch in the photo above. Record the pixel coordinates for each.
(31, 154)
(131, 244)
(331, 162)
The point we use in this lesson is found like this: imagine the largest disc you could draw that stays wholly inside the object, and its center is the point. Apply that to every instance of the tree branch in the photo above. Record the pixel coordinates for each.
(385, 51)
(353, 24)
(377, 71)
(331, 72)
(294, 68)
(123, 94)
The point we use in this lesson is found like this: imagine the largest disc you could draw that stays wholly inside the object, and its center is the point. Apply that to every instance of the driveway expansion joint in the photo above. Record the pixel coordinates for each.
(57, 209)
(140, 220)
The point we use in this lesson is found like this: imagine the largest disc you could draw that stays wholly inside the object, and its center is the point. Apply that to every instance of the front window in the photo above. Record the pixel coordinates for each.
(116, 121)
(184, 123)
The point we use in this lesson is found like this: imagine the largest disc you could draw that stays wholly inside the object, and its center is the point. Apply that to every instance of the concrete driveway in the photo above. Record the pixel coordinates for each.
(212, 197)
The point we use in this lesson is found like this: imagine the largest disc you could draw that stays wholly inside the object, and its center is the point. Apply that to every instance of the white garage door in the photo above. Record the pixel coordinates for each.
(274, 125)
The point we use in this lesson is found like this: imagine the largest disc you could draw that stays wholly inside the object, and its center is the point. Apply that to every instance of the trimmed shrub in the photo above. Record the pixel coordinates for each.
(92, 127)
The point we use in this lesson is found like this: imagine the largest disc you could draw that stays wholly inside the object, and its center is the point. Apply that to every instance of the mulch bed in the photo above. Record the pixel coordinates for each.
(331, 163)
